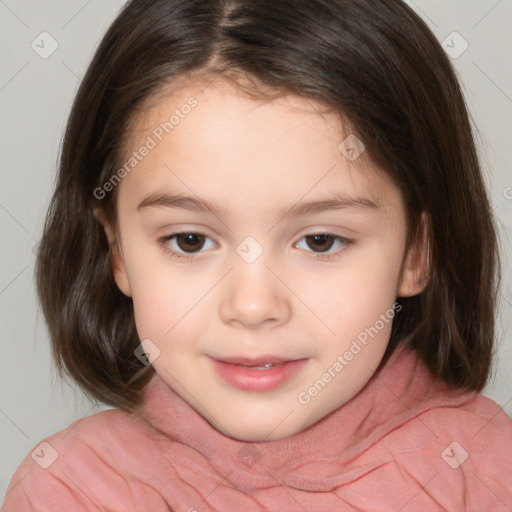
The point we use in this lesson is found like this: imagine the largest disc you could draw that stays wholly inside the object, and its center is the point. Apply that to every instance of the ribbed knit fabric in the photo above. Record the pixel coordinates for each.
(405, 442)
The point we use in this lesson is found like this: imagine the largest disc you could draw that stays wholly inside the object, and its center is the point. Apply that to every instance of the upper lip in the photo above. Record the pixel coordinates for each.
(254, 361)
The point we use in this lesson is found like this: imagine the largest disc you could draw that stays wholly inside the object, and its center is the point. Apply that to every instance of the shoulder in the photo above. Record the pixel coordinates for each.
(74, 468)
(479, 422)
(480, 429)
(462, 450)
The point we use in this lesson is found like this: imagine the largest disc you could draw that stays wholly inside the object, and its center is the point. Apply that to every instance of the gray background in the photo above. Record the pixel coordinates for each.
(35, 98)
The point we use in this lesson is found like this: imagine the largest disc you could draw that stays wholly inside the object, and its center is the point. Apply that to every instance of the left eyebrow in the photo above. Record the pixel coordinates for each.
(300, 208)
(334, 203)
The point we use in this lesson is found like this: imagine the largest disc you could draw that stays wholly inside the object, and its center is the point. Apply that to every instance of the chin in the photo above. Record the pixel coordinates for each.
(255, 436)
(251, 431)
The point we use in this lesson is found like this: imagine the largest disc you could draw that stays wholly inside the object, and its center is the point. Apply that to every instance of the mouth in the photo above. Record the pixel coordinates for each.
(260, 374)
(259, 363)
(265, 366)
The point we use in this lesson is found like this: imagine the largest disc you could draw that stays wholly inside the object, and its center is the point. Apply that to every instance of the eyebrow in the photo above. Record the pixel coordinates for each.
(197, 204)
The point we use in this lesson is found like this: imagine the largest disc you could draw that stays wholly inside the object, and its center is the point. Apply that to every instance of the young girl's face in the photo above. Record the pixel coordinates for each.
(263, 263)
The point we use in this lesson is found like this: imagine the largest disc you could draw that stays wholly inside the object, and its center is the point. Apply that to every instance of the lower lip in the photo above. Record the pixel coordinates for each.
(257, 380)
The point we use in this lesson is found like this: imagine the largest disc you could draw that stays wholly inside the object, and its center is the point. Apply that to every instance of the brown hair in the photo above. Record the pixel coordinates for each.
(373, 61)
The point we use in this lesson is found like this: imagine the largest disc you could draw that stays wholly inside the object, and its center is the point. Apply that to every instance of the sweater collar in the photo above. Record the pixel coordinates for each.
(313, 458)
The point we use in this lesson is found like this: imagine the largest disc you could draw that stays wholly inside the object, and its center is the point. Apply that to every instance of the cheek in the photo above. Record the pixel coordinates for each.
(356, 303)
(160, 299)
(363, 286)
(161, 308)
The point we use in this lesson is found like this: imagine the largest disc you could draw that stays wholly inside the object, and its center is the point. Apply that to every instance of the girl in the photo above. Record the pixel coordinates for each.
(271, 250)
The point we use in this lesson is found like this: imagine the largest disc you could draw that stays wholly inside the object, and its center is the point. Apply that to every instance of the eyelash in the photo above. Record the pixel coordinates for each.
(346, 244)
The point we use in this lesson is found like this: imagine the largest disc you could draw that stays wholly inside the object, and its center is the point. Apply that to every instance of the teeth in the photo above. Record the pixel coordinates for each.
(266, 366)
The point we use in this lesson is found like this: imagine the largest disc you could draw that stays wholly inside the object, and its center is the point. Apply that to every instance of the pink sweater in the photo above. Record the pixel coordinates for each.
(404, 443)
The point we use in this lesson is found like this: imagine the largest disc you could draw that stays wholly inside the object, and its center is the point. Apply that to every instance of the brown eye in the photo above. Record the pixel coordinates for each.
(320, 243)
(189, 242)
(324, 246)
(186, 246)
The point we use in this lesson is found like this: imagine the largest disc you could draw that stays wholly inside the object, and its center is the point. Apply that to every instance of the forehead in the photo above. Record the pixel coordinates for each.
(214, 138)
(218, 105)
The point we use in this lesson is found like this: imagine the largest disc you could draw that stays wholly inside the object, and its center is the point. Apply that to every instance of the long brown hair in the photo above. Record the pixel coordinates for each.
(377, 64)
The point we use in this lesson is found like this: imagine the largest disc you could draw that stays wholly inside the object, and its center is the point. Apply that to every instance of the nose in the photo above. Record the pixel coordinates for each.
(253, 297)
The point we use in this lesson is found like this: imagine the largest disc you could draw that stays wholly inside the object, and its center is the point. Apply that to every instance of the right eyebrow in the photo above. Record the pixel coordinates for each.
(181, 201)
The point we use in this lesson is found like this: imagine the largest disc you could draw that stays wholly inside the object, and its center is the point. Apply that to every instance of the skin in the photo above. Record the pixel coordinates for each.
(253, 159)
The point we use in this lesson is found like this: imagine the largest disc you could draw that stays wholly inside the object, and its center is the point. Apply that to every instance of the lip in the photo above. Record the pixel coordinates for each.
(248, 379)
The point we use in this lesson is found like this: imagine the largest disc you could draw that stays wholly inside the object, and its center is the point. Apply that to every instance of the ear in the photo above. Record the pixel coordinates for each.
(416, 266)
(116, 255)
